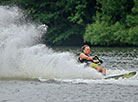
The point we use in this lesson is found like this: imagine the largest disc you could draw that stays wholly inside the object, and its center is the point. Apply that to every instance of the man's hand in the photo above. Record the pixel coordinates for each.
(96, 61)
(97, 58)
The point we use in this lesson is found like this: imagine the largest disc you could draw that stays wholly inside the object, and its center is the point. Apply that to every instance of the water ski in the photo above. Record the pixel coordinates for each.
(123, 76)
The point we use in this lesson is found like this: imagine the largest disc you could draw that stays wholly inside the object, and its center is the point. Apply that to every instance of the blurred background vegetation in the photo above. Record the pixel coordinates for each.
(75, 22)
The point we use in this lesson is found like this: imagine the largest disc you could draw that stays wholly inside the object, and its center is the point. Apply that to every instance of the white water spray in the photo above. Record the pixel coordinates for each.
(21, 56)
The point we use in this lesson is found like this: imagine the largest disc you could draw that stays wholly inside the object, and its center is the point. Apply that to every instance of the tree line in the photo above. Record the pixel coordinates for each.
(74, 22)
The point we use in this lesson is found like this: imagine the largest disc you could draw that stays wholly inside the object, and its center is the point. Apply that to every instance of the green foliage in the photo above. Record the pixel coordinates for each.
(79, 12)
(115, 9)
(115, 23)
(64, 18)
(104, 34)
(133, 36)
(132, 22)
(99, 22)
(135, 8)
(132, 19)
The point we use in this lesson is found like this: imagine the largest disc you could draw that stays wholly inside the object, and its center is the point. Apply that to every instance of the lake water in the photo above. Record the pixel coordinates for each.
(79, 89)
(32, 72)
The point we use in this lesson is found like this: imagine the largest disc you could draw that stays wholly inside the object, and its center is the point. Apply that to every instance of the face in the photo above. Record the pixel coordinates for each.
(87, 50)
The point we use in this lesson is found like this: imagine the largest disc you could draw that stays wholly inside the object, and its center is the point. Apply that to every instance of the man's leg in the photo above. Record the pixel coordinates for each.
(102, 70)
(98, 68)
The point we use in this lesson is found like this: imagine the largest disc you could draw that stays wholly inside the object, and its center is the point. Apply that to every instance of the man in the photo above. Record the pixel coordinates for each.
(86, 58)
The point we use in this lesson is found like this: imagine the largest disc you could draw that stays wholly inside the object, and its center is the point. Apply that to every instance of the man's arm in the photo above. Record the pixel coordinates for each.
(83, 56)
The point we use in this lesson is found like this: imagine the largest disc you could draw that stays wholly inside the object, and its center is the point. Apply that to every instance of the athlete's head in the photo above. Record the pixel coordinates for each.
(86, 49)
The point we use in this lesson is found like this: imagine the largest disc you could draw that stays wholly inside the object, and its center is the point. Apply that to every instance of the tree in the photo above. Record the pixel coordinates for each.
(115, 23)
